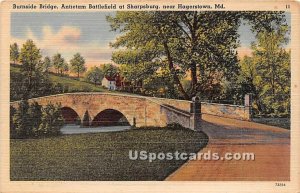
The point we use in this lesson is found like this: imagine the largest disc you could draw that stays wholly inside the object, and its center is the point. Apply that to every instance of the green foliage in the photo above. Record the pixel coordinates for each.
(200, 44)
(273, 72)
(20, 121)
(34, 115)
(65, 68)
(30, 57)
(77, 64)
(51, 121)
(55, 85)
(109, 70)
(175, 126)
(33, 121)
(94, 75)
(58, 63)
(47, 64)
(268, 73)
(68, 84)
(59, 88)
(31, 81)
(12, 113)
(14, 52)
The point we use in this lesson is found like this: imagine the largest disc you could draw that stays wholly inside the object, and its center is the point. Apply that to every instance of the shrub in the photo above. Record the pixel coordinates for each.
(21, 120)
(32, 121)
(12, 112)
(51, 122)
(175, 126)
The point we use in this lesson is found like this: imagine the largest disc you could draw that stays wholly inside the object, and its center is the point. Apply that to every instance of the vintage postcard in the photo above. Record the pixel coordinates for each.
(149, 96)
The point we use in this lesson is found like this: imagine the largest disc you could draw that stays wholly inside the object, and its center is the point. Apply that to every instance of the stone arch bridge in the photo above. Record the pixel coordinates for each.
(138, 110)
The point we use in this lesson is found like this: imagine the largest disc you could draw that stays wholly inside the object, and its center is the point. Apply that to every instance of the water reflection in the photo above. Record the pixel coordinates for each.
(76, 129)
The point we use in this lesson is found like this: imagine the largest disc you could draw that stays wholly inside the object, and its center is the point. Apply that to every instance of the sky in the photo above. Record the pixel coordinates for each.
(85, 32)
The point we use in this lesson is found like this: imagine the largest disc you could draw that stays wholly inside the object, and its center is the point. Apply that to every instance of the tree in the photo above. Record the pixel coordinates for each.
(21, 121)
(34, 115)
(14, 52)
(247, 78)
(272, 65)
(32, 120)
(94, 75)
(58, 63)
(30, 58)
(32, 81)
(77, 64)
(201, 44)
(47, 64)
(134, 67)
(51, 121)
(109, 70)
(65, 68)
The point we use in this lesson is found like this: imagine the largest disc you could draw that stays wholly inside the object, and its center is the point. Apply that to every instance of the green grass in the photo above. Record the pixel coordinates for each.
(76, 85)
(72, 84)
(278, 122)
(101, 156)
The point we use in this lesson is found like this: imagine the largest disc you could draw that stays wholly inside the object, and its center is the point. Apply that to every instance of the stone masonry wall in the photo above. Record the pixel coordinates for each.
(143, 111)
(225, 110)
(179, 104)
(222, 110)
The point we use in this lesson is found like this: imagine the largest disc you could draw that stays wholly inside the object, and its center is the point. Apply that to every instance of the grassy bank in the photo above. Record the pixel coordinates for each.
(73, 84)
(101, 156)
(278, 122)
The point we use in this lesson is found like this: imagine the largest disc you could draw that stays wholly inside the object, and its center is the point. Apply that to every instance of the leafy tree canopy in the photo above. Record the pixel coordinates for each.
(94, 75)
(200, 44)
(77, 64)
(14, 52)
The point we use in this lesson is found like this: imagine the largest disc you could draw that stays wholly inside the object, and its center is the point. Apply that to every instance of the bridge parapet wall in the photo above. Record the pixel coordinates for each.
(179, 104)
(158, 114)
(225, 110)
(142, 111)
(222, 110)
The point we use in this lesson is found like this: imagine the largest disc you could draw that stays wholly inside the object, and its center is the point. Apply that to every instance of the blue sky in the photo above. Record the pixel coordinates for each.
(84, 32)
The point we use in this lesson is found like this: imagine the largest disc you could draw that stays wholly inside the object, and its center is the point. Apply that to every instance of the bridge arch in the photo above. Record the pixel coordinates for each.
(70, 115)
(109, 117)
(138, 110)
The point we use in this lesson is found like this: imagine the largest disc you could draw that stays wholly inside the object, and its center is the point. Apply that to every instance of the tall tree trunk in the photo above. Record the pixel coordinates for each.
(172, 69)
(194, 78)
(193, 65)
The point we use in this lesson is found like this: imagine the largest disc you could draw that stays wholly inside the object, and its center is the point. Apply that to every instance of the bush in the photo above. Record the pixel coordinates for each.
(51, 123)
(21, 121)
(175, 126)
(12, 112)
(33, 121)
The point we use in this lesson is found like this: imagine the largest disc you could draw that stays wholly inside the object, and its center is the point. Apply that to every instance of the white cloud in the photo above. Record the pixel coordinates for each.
(67, 41)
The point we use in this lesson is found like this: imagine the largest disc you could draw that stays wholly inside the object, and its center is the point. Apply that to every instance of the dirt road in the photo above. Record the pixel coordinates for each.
(271, 146)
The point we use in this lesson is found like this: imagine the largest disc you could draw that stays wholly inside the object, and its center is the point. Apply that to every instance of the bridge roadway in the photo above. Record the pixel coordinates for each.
(271, 146)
